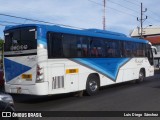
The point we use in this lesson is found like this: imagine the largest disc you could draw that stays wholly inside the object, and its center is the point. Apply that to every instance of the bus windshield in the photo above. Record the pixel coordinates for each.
(20, 39)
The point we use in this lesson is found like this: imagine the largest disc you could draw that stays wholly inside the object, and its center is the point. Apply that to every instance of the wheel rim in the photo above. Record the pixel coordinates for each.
(141, 76)
(93, 85)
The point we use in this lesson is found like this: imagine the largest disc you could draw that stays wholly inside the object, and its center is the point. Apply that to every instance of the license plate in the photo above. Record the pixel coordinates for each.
(27, 76)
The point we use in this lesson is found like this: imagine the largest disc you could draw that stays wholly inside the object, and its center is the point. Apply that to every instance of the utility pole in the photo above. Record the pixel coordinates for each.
(104, 15)
(141, 20)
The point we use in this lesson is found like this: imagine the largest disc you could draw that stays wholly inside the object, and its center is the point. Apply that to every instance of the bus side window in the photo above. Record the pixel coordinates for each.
(112, 49)
(94, 52)
(100, 51)
(117, 47)
(97, 47)
(79, 47)
(69, 45)
(84, 51)
(134, 50)
(85, 46)
(121, 49)
(128, 49)
(54, 45)
(73, 47)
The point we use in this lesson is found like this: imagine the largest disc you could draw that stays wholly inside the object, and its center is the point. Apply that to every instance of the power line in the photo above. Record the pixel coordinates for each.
(134, 10)
(123, 6)
(95, 2)
(122, 12)
(10, 22)
(152, 28)
(149, 22)
(137, 1)
(2, 24)
(148, 10)
(154, 13)
(40, 21)
(35, 20)
(154, 19)
(132, 3)
(113, 9)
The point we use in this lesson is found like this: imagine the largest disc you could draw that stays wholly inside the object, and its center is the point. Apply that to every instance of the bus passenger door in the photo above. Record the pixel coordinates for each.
(150, 57)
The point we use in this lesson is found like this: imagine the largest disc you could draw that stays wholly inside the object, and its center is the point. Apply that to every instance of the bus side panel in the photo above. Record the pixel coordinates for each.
(17, 68)
(128, 74)
(108, 81)
(72, 76)
(149, 71)
(56, 78)
(83, 75)
(132, 69)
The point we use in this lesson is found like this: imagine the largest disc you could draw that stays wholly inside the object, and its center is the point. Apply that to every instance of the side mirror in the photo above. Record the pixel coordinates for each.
(154, 49)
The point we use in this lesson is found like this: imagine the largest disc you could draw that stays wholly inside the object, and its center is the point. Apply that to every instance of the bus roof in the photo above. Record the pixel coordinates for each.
(86, 32)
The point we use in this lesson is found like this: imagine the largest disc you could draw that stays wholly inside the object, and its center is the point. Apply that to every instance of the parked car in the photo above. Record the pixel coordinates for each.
(1, 78)
(6, 103)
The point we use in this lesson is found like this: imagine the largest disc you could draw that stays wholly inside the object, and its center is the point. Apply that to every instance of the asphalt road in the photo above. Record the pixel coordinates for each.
(122, 97)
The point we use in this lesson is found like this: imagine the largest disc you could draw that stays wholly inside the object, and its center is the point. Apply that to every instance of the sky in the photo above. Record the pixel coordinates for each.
(121, 15)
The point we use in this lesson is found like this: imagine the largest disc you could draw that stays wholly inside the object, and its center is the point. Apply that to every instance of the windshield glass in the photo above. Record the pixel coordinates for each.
(20, 39)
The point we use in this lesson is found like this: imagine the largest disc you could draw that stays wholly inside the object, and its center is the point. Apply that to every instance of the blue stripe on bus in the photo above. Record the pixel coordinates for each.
(13, 69)
(43, 29)
(106, 66)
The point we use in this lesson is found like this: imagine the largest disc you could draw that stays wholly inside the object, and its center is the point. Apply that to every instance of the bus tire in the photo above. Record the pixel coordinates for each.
(141, 76)
(92, 85)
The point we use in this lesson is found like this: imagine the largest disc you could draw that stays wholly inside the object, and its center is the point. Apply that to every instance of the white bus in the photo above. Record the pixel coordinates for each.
(46, 60)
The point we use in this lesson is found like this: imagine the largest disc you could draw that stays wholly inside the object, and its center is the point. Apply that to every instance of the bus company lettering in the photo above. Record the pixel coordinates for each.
(138, 61)
(30, 58)
(19, 47)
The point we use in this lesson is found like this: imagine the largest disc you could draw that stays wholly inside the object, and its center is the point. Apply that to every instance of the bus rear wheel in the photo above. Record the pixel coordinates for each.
(92, 85)
(141, 76)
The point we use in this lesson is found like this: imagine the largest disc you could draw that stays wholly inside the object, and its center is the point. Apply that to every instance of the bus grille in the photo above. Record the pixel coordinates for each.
(58, 82)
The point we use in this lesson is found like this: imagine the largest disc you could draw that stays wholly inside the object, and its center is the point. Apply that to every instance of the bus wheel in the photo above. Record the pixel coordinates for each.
(141, 76)
(92, 85)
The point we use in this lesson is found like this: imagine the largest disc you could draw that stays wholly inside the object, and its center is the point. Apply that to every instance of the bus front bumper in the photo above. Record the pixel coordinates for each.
(34, 89)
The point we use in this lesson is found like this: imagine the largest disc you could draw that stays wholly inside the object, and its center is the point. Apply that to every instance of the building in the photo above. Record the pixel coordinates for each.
(151, 34)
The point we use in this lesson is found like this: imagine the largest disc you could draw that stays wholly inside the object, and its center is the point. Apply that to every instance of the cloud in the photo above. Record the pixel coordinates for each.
(80, 13)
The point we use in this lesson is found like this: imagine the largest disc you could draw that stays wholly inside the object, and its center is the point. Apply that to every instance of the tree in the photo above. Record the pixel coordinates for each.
(1, 42)
(1, 52)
